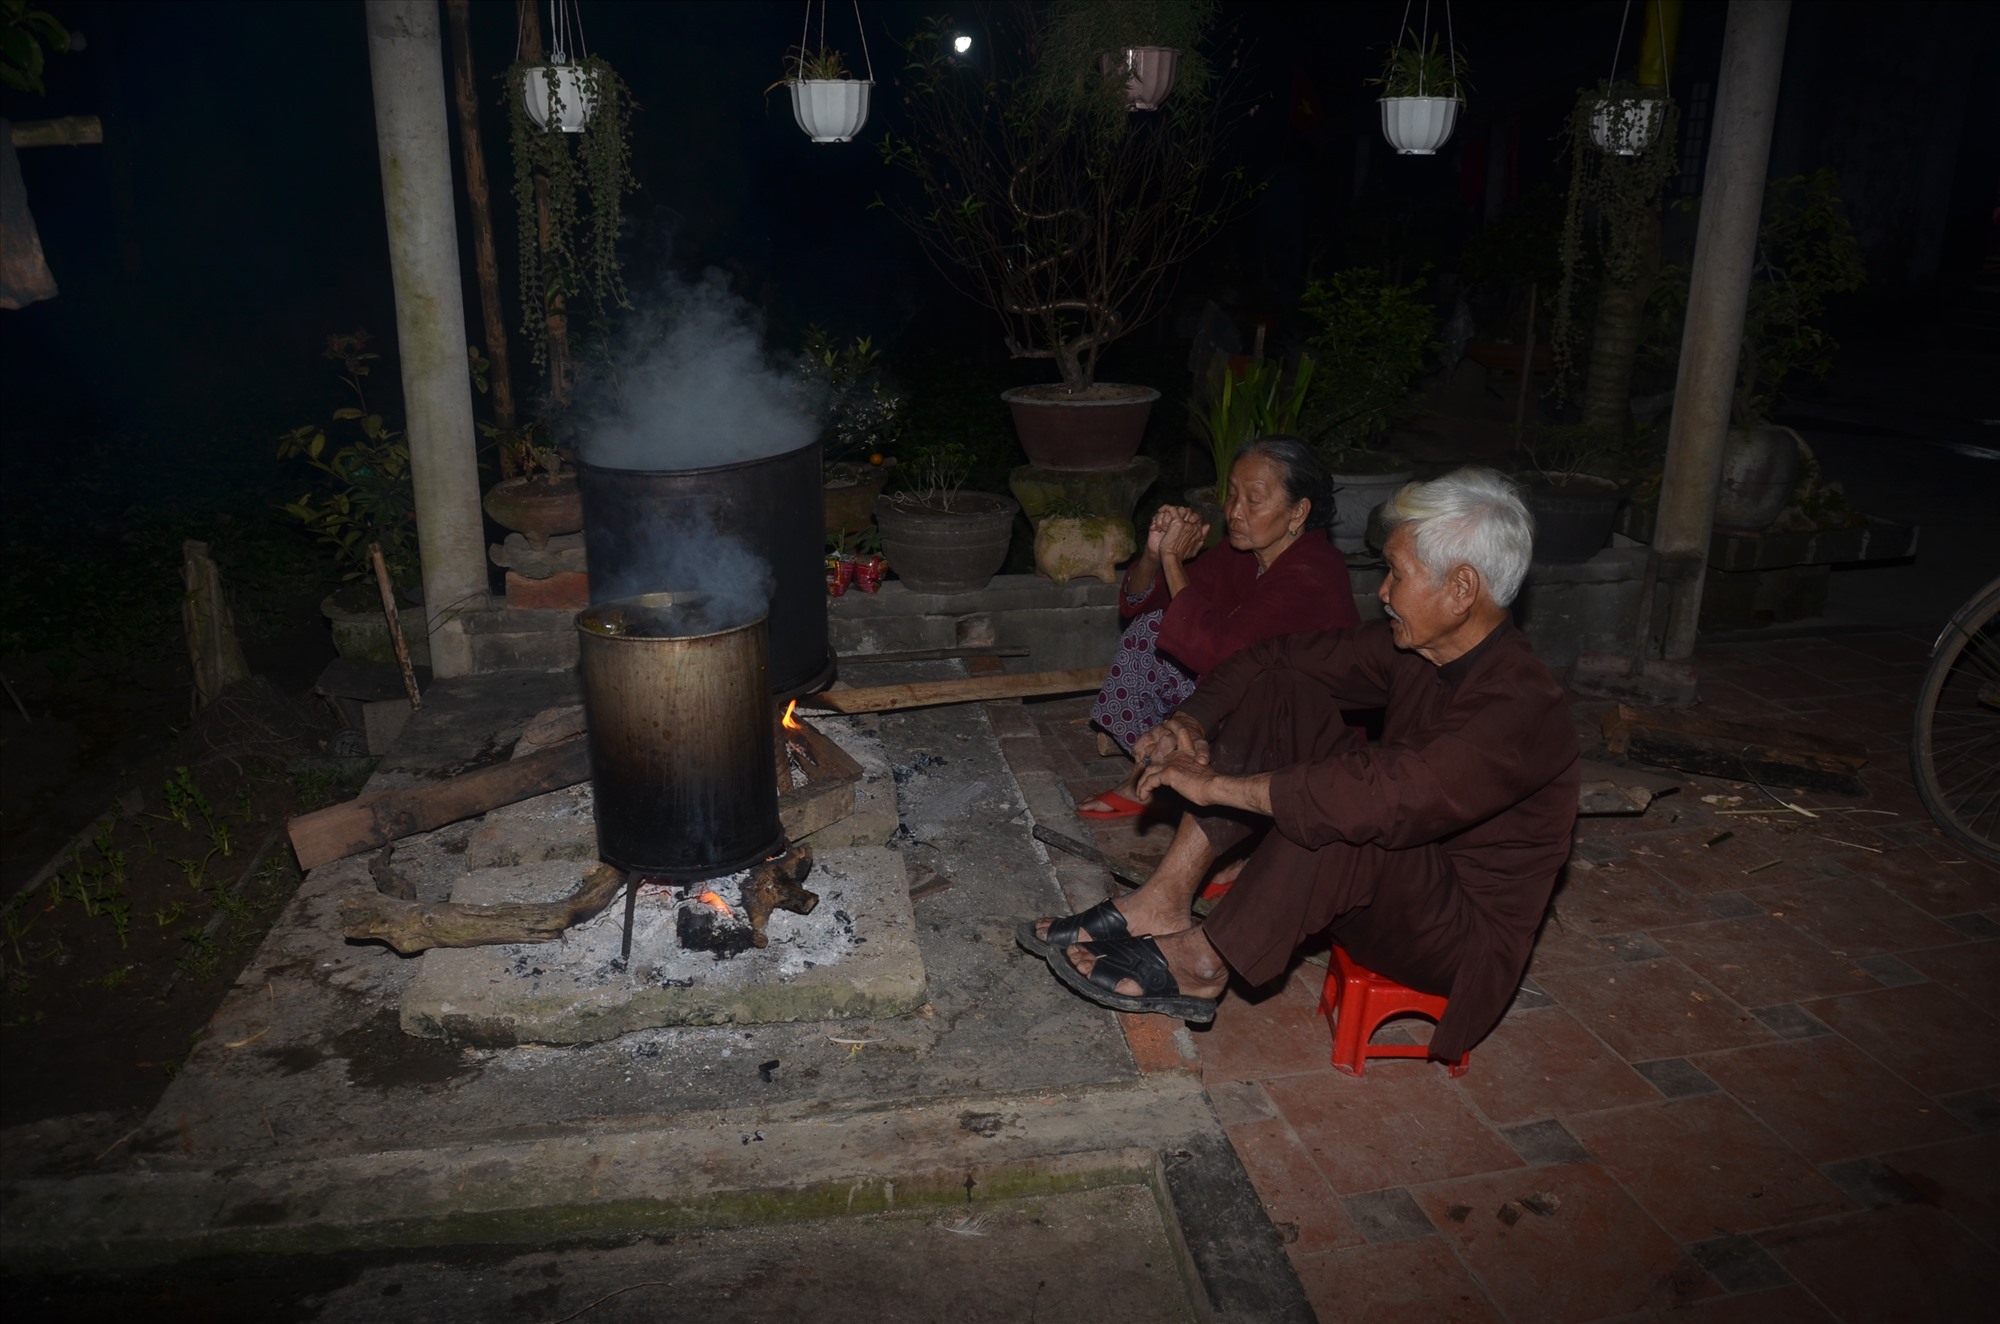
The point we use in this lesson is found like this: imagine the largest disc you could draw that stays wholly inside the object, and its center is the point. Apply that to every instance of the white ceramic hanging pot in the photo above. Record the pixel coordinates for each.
(830, 110)
(1418, 126)
(1624, 126)
(575, 88)
(1150, 74)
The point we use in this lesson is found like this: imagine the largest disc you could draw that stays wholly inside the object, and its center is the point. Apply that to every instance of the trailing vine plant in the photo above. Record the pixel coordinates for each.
(569, 190)
(1611, 232)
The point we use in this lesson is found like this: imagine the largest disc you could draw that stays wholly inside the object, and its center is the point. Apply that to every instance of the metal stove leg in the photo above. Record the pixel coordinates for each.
(631, 907)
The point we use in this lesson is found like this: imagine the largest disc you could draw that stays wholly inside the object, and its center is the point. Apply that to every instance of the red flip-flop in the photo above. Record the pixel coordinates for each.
(1120, 807)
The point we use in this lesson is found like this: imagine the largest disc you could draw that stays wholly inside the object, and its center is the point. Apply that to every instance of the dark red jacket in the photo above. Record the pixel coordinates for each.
(1227, 606)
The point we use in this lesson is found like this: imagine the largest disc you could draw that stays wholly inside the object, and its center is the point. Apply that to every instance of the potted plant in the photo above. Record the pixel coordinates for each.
(1423, 89)
(570, 130)
(939, 537)
(1145, 47)
(1042, 197)
(1373, 340)
(1247, 398)
(861, 419)
(365, 497)
(1806, 254)
(829, 103)
(1571, 488)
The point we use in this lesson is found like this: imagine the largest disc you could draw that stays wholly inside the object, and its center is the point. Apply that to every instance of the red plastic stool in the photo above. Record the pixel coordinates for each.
(1357, 1001)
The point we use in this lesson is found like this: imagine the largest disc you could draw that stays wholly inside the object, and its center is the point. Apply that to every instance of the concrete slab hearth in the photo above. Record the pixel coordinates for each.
(855, 955)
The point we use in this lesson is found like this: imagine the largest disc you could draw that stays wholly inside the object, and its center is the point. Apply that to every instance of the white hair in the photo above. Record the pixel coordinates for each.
(1470, 516)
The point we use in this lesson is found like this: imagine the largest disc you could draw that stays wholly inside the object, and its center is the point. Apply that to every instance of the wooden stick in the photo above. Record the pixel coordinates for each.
(971, 689)
(69, 131)
(465, 94)
(395, 625)
(414, 926)
(1070, 845)
(372, 820)
(934, 654)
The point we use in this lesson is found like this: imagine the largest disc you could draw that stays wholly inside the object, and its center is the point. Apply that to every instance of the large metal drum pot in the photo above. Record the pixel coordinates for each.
(643, 528)
(680, 726)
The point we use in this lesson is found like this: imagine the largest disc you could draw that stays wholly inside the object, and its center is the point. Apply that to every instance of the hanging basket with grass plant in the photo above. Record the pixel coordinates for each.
(1423, 87)
(829, 105)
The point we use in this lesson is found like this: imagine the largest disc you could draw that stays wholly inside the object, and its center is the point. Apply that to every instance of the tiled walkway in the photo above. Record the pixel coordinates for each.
(1758, 1078)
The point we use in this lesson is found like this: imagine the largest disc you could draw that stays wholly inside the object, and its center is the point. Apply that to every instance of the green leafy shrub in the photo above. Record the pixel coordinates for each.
(1373, 341)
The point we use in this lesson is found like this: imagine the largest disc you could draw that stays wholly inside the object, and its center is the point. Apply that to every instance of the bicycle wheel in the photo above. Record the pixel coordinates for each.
(1955, 736)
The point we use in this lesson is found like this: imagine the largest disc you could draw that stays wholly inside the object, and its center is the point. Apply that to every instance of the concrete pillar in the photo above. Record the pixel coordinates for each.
(406, 60)
(1732, 200)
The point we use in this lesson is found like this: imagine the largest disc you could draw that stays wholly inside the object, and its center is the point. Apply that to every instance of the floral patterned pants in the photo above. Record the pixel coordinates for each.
(1143, 687)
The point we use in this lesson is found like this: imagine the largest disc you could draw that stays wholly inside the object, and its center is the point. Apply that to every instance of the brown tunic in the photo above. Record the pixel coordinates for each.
(1432, 855)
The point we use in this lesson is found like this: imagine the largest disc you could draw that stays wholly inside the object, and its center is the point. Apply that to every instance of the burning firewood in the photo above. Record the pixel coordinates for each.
(775, 885)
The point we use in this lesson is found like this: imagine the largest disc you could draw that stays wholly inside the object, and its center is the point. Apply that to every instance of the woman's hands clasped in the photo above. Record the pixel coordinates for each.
(1176, 533)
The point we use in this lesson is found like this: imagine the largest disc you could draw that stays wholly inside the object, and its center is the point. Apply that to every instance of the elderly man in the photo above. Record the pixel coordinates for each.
(1429, 856)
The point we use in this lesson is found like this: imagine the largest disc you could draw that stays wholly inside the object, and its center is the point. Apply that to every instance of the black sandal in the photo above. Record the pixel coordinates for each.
(1139, 960)
(1105, 922)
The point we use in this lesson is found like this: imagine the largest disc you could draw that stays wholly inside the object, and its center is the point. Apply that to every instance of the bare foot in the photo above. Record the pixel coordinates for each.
(1194, 963)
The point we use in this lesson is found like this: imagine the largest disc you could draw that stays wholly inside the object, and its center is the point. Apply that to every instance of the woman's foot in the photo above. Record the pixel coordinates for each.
(1121, 801)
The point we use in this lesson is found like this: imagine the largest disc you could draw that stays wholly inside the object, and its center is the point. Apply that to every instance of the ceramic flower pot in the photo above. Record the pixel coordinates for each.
(1099, 427)
(1149, 74)
(575, 88)
(1355, 496)
(1623, 126)
(940, 549)
(539, 507)
(830, 110)
(1418, 126)
(1760, 471)
(1573, 520)
(851, 490)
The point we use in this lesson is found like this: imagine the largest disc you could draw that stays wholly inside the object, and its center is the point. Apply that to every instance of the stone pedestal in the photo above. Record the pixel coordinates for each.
(1116, 491)
(540, 578)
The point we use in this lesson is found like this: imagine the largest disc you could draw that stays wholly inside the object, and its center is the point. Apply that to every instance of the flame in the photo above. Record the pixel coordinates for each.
(791, 723)
(711, 899)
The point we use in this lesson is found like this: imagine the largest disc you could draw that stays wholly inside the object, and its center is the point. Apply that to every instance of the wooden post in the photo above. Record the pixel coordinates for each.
(556, 315)
(465, 90)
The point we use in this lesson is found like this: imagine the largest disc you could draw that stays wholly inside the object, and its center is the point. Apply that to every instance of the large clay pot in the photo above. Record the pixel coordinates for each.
(1760, 471)
(1355, 496)
(1572, 520)
(1099, 427)
(935, 549)
(538, 507)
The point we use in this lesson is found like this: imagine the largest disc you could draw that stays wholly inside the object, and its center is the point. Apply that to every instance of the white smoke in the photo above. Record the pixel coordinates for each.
(690, 387)
(690, 556)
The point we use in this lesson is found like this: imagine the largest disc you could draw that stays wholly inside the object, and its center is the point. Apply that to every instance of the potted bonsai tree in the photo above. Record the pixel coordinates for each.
(1372, 342)
(1041, 196)
(938, 537)
(1423, 88)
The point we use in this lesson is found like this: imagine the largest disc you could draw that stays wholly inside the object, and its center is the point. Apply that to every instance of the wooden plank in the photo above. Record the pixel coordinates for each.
(1736, 751)
(416, 926)
(374, 820)
(970, 689)
(69, 131)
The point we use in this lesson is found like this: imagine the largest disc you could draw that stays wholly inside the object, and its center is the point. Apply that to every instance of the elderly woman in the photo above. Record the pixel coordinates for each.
(1430, 856)
(1277, 573)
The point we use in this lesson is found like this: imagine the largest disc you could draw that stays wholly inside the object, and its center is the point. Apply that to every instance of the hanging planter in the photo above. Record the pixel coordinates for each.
(1149, 74)
(1418, 126)
(1626, 116)
(1422, 89)
(829, 106)
(1624, 125)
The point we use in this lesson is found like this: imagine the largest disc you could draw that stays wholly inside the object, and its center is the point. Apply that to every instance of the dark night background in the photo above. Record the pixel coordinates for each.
(232, 217)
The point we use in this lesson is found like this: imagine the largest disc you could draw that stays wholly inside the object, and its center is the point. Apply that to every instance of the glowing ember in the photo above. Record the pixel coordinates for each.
(711, 899)
(791, 723)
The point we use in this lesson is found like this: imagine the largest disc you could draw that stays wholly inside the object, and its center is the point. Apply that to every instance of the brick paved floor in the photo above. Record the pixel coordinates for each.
(1759, 1079)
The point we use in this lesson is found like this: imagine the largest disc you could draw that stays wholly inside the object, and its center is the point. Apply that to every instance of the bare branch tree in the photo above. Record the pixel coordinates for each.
(1064, 214)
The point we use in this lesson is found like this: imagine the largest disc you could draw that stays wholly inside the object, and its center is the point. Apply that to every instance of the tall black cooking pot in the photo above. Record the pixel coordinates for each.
(677, 700)
(641, 524)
